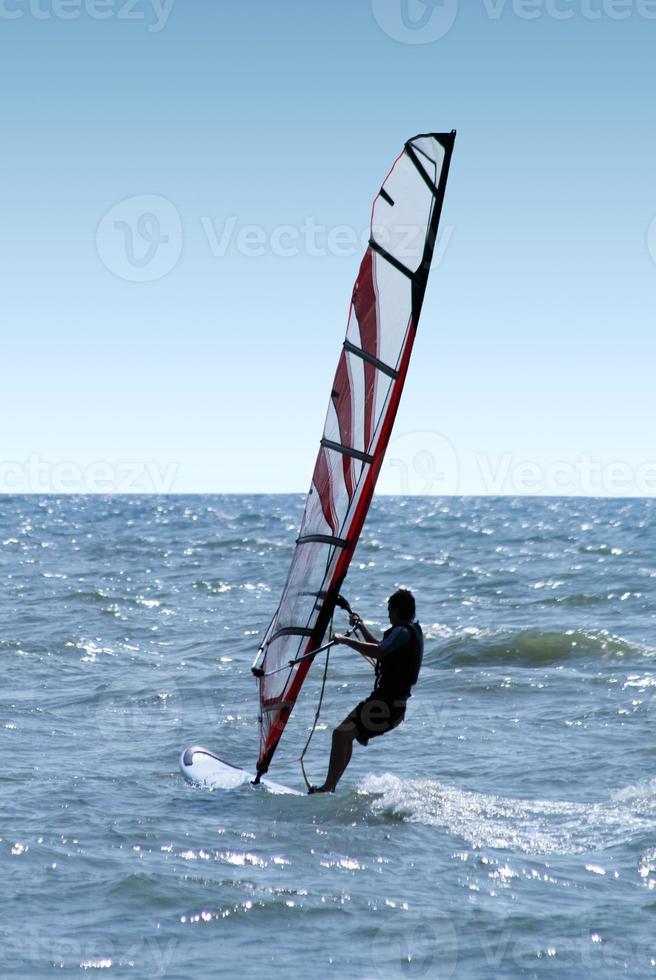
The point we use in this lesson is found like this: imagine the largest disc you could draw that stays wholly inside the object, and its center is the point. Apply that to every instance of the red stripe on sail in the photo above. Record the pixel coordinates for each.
(322, 483)
(369, 486)
(342, 397)
(365, 304)
(278, 722)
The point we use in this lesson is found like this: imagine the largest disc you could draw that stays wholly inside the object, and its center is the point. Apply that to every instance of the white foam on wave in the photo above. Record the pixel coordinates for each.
(637, 793)
(527, 825)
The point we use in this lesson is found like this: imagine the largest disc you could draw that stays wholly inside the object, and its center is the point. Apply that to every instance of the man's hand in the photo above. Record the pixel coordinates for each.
(357, 621)
(340, 638)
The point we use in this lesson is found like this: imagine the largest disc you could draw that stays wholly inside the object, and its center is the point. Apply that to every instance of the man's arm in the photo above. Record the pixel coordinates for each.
(369, 650)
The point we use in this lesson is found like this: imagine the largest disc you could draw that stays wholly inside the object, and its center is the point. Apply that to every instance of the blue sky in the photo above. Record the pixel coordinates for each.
(194, 350)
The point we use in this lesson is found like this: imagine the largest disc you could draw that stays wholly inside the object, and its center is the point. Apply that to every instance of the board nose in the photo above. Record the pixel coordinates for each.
(188, 757)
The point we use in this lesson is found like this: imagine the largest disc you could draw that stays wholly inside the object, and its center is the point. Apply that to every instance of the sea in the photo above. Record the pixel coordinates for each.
(506, 829)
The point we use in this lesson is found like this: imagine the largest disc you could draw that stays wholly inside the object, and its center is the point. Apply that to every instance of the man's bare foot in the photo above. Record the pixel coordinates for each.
(320, 789)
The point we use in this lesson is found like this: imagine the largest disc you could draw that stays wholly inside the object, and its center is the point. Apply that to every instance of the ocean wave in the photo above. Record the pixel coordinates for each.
(218, 586)
(580, 599)
(241, 543)
(91, 595)
(536, 648)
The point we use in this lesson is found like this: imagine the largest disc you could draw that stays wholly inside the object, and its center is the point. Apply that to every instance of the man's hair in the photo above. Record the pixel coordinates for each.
(404, 603)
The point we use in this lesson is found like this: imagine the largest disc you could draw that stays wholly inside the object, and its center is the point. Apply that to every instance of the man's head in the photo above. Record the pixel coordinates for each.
(401, 607)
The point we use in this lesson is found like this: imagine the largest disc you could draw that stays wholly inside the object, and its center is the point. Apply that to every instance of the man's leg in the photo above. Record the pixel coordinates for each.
(340, 754)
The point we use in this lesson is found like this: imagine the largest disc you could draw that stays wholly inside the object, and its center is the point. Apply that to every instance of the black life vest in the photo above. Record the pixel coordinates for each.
(398, 668)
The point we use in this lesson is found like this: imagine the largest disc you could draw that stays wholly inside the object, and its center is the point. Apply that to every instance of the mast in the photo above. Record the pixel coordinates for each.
(385, 308)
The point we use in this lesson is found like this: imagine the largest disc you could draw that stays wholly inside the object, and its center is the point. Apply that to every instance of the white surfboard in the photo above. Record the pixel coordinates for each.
(203, 768)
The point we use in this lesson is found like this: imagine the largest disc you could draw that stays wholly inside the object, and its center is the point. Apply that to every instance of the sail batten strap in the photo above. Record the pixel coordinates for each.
(410, 150)
(278, 705)
(347, 450)
(322, 539)
(370, 359)
(391, 259)
(291, 631)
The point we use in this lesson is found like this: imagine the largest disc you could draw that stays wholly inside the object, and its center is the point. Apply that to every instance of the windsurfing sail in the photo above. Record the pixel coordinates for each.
(385, 308)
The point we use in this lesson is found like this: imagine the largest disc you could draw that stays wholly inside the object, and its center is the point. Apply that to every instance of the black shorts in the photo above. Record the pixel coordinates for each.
(374, 716)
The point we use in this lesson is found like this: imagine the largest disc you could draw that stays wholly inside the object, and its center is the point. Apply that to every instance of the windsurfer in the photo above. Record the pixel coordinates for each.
(397, 660)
